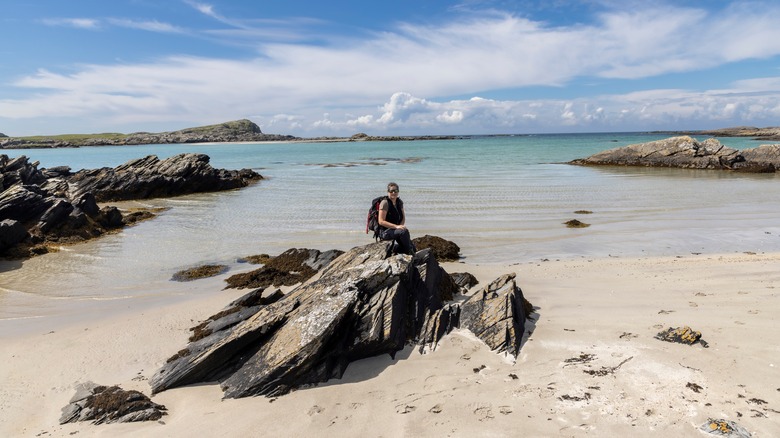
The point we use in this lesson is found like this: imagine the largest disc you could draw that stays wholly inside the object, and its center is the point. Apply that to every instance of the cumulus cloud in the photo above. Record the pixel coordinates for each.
(398, 80)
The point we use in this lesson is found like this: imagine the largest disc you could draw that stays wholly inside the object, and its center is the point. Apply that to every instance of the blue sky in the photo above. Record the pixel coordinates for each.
(404, 67)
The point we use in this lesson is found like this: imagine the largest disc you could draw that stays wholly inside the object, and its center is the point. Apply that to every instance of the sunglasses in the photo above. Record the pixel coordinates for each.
(392, 191)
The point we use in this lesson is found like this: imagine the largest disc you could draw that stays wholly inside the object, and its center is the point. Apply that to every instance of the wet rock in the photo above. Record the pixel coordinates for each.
(574, 223)
(11, 233)
(293, 266)
(444, 250)
(199, 272)
(110, 404)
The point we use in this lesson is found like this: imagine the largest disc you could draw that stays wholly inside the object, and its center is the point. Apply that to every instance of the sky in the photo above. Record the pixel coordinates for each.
(314, 68)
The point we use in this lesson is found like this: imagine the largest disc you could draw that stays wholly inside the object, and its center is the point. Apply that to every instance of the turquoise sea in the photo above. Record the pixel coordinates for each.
(503, 200)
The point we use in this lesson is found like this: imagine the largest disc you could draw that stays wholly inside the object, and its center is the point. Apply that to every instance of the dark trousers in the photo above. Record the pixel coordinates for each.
(402, 237)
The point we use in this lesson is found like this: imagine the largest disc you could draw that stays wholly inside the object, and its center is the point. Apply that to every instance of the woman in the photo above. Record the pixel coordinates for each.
(392, 218)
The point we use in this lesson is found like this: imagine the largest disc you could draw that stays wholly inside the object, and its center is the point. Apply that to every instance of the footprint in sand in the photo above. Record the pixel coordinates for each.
(484, 413)
(436, 409)
(314, 410)
(405, 409)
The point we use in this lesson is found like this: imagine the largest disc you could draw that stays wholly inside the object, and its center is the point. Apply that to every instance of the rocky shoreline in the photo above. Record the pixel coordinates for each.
(43, 208)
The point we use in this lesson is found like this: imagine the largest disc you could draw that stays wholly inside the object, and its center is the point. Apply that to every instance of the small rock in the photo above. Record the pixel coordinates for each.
(574, 223)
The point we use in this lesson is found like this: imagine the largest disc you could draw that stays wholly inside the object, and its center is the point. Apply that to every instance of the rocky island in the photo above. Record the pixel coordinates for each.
(238, 130)
(689, 153)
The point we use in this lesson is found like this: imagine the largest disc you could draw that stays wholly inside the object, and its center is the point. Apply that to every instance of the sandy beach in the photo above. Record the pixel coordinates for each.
(591, 366)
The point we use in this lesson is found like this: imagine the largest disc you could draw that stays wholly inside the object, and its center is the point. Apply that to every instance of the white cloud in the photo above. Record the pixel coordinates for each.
(467, 57)
(80, 23)
(148, 25)
(454, 116)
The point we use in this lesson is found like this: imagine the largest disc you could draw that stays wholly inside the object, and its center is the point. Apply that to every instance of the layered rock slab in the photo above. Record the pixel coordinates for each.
(689, 153)
(363, 303)
(151, 177)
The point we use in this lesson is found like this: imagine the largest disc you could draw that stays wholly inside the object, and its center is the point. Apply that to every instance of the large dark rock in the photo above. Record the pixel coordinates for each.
(362, 304)
(497, 314)
(110, 404)
(444, 250)
(687, 152)
(11, 233)
(150, 177)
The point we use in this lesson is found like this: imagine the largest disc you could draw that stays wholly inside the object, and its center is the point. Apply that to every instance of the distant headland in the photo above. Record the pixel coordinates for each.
(235, 131)
(763, 134)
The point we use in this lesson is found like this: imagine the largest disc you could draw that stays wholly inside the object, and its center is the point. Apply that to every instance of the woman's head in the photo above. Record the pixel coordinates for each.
(392, 188)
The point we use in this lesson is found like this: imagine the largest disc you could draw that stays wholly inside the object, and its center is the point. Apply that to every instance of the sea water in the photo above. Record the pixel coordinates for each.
(502, 199)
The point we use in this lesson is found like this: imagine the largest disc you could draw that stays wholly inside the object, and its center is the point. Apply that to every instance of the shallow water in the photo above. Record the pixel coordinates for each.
(503, 200)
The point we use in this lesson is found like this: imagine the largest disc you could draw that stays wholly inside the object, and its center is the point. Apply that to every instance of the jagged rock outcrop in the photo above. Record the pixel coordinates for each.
(109, 404)
(238, 130)
(54, 206)
(687, 152)
(151, 177)
(364, 303)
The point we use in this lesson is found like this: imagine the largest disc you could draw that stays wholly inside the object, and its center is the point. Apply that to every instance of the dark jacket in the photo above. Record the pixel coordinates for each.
(395, 214)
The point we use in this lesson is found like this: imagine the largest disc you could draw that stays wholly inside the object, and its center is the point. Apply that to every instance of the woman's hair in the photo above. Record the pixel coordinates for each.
(391, 185)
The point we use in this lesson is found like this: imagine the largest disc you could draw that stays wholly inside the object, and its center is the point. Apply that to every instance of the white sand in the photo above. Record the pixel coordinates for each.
(609, 308)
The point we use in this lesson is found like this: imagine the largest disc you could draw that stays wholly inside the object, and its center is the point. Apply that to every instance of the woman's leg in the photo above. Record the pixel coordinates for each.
(403, 238)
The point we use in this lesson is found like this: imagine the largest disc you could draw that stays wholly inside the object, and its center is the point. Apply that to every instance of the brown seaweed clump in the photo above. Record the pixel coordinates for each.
(199, 272)
(574, 223)
(110, 404)
(680, 335)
